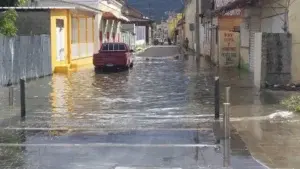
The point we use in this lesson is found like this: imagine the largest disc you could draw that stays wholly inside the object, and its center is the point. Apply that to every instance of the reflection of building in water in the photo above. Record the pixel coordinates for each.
(62, 106)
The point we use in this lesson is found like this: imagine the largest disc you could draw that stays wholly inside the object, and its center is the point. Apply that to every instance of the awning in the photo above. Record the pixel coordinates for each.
(124, 18)
(233, 5)
(132, 19)
(109, 15)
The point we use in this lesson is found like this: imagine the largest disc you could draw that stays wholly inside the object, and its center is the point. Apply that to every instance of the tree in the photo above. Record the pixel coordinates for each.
(8, 18)
(7, 3)
(8, 23)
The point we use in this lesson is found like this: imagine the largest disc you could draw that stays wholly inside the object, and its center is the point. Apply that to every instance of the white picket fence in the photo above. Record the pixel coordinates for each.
(129, 39)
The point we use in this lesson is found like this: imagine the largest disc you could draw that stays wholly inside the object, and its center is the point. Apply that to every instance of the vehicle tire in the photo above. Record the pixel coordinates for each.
(98, 69)
(125, 67)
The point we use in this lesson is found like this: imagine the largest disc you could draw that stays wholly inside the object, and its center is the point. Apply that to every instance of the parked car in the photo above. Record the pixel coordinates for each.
(113, 55)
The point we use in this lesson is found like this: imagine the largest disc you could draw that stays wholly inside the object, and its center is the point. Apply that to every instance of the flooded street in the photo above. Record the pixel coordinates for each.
(159, 114)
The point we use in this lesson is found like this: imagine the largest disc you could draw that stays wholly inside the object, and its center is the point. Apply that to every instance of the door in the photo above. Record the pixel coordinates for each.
(60, 40)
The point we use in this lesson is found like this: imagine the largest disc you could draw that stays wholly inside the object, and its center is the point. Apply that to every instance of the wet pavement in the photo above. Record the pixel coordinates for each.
(157, 115)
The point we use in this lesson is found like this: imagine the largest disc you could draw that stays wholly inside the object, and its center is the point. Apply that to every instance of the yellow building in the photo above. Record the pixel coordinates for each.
(72, 38)
(172, 24)
(71, 28)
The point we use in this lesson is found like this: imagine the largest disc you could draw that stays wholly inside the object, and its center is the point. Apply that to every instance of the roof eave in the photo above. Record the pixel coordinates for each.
(37, 8)
(52, 7)
(87, 9)
(231, 6)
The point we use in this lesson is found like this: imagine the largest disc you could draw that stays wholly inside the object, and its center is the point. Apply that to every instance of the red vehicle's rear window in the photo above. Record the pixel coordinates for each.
(113, 47)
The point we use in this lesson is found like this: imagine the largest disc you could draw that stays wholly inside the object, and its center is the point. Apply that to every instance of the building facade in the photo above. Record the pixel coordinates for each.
(70, 27)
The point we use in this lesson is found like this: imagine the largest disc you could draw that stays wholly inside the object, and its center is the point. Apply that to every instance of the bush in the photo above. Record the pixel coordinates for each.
(292, 103)
(8, 23)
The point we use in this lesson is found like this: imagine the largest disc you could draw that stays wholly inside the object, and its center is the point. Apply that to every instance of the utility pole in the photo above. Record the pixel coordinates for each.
(197, 33)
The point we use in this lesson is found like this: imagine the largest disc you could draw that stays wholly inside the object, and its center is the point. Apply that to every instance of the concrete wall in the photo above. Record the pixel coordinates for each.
(33, 22)
(229, 22)
(257, 63)
(244, 46)
(140, 35)
(190, 18)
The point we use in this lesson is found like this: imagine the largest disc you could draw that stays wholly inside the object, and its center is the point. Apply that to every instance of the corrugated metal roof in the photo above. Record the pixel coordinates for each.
(37, 7)
(53, 4)
(134, 19)
(233, 5)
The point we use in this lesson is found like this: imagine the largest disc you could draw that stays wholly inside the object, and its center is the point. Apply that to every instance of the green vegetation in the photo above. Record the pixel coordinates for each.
(8, 23)
(292, 103)
(8, 18)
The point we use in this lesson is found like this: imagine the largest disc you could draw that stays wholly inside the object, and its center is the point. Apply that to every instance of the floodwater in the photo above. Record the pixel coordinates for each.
(159, 114)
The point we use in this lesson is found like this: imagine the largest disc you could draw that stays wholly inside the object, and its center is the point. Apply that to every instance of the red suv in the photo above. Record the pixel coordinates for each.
(113, 55)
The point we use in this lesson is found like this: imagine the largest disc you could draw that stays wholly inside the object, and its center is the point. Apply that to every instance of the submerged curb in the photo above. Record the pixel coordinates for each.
(142, 50)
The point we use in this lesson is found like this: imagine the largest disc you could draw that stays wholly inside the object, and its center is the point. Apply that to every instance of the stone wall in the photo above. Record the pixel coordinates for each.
(276, 58)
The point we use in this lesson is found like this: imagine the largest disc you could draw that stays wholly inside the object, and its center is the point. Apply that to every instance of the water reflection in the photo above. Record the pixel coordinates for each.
(160, 101)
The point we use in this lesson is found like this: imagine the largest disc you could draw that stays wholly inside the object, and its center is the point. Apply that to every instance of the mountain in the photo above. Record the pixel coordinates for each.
(156, 8)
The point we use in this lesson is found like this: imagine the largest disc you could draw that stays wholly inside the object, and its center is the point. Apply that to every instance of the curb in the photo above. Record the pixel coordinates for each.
(141, 51)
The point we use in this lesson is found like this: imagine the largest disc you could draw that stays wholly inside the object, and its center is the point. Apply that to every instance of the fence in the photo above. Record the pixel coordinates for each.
(129, 39)
(24, 57)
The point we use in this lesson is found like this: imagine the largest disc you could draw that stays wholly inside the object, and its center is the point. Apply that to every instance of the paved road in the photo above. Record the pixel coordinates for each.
(159, 115)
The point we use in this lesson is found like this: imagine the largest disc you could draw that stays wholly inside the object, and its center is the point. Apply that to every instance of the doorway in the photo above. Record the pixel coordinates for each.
(60, 40)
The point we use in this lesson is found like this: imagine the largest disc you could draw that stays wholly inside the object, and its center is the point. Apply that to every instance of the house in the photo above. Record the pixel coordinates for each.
(267, 16)
(119, 22)
(180, 28)
(108, 22)
(172, 25)
(111, 21)
(214, 37)
(189, 25)
(138, 25)
(71, 27)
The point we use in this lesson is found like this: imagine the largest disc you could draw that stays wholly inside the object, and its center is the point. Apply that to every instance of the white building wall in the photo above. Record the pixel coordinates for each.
(140, 35)
(189, 13)
(253, 16)
(112, 26)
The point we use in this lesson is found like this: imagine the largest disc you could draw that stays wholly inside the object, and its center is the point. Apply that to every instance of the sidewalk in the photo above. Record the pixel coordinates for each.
(38, 98)
(271, 133)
